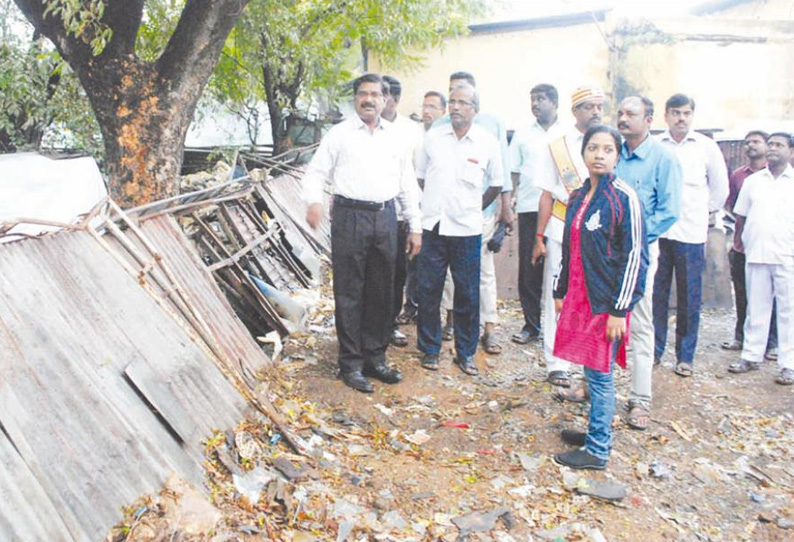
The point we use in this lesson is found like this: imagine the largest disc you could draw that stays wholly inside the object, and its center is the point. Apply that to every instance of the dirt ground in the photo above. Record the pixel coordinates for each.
(444, 456)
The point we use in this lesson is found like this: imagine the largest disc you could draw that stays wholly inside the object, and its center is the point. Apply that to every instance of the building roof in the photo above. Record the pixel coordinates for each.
(552, 21)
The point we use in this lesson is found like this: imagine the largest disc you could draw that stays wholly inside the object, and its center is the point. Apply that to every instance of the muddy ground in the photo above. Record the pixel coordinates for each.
(444, 456)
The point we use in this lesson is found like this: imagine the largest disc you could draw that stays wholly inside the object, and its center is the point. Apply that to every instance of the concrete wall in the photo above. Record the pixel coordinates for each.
(507, 65)
(738, 70)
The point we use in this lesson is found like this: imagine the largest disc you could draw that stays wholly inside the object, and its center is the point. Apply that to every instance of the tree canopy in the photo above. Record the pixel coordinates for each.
(283, 50)
(143, 66)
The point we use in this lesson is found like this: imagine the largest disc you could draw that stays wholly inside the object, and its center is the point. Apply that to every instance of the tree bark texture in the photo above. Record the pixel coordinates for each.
(143, 108)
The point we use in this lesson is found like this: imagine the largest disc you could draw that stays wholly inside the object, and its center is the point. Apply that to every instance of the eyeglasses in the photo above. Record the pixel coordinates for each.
(461, 103)
(431, 107)
(364, 94)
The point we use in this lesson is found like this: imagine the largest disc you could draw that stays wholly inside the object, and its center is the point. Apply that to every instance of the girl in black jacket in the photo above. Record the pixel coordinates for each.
(604, 259)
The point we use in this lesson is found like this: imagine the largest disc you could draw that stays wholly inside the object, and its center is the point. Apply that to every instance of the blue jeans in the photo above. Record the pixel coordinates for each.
(462, 256)
(602, 409)
(686, 260)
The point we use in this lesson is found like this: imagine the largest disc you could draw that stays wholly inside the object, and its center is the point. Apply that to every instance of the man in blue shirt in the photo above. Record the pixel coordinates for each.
(655, 174)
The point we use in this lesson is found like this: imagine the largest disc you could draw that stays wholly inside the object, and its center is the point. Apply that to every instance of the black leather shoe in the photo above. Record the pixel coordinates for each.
(384, 373)
(430, 362)
(573, 437)
(580, 459)
(466, 364)
(357, 381)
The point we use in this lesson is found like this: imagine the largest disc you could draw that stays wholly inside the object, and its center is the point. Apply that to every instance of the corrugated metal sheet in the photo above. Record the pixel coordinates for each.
(284, 193)
(103, 394)
(227, 330)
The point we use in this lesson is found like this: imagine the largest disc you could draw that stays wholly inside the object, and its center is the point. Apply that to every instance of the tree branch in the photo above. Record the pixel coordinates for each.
(124, 17)
(197, 40)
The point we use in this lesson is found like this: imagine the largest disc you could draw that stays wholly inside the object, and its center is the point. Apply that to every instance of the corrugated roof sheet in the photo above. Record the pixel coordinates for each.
(228, 331)
(283, 193)
(103, 394)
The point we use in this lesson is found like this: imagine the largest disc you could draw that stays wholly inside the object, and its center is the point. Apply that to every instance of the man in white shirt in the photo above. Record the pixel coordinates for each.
(529, 154)
(765, 222)
(459, 158)
(565, 171)
(411, 135)
(682, 247)
(488, 291)
(367, 167)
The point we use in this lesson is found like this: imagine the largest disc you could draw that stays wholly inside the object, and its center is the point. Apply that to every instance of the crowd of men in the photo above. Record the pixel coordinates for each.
(417, 209)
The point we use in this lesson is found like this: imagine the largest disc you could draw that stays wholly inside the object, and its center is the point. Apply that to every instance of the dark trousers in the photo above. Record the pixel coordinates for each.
(530, 277)
(400, 270)
(462, 256)
(686, 261)
(411, 287)
(737, 261)
(363, 247)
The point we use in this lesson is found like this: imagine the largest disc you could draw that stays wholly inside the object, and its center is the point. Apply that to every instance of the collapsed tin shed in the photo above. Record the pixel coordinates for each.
(119, 354)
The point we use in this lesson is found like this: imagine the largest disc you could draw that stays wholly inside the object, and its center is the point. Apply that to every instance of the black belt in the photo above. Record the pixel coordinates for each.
(361, 205)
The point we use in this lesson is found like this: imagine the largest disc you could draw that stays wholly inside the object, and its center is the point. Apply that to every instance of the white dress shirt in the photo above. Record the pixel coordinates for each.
(767, 204)
(551, 182)
(364, 165)
(529, 157)
(704, 188)
(412, 134)
(454, 172)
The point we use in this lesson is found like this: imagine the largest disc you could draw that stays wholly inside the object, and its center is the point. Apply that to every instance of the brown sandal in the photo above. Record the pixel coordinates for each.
(489, 344)
(574, 394)
(638, 417)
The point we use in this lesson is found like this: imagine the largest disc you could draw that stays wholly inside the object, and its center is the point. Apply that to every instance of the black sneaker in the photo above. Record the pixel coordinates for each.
(580, 459)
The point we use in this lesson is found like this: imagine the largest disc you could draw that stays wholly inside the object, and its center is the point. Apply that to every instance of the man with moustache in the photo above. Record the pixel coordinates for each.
(755, 150)
(529, 154)
(459, 158)
(766, 226)
(434, 106)
(682, 247)
(655, 174)
(565, 171)
(410, 135)
(367, 168)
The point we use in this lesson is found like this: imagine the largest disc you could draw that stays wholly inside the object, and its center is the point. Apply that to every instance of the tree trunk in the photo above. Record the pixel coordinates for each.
(143, 108)
(281, 143)
(143, 128)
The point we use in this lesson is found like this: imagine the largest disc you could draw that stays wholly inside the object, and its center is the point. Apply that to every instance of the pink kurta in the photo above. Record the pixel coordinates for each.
(581, 335)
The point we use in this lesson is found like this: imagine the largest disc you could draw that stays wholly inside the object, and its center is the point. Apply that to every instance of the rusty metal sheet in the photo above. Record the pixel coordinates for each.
(71, 322)
(285, 193)
(205, 295)
(268, 258)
